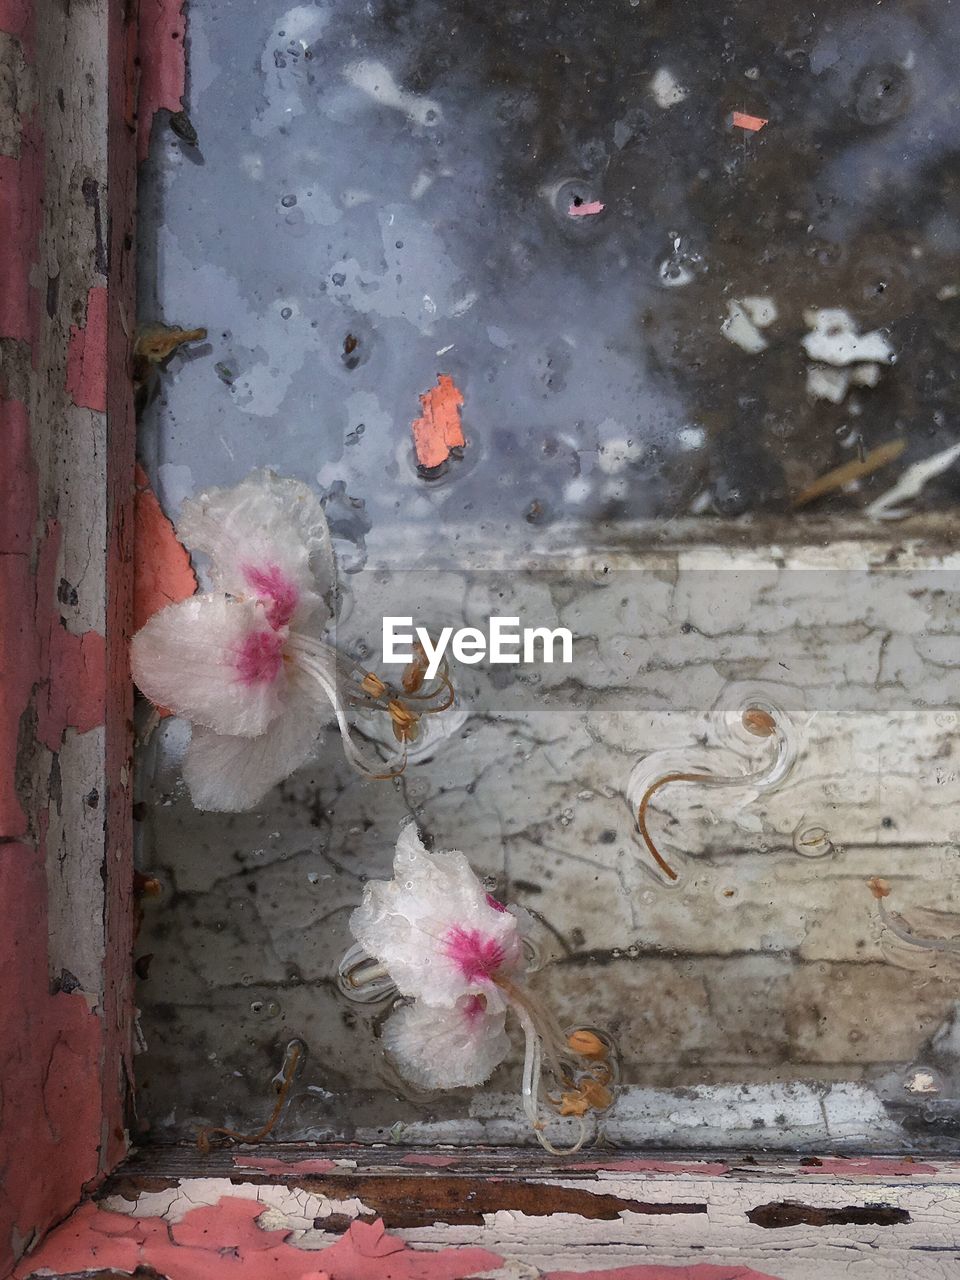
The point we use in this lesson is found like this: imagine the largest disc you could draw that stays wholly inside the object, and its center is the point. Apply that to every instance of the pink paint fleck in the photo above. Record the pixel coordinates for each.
(704, 1169)
(87, 355)
(871, 1166)
(589, 209)
(753, 124)
(259, 657)
(279, 592)
(475, 953)
(429, 1161)
(265, 1164)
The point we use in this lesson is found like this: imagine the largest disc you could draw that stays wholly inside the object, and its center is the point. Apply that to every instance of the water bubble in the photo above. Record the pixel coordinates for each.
(288, 201)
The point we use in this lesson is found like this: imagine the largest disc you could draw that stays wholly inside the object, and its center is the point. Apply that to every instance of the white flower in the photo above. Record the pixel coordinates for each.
(245, 662)
(436, 929)
(458, 955)
(447, 1048)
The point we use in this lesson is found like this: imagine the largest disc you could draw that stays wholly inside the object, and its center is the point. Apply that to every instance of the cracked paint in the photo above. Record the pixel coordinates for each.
(225, 1239)
(702, 1271)
(63, 750)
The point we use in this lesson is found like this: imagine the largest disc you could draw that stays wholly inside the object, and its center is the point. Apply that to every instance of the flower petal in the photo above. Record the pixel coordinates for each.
(228, 774)
(267, 538)
(446, 1048)
(214, 661)
(434, 929)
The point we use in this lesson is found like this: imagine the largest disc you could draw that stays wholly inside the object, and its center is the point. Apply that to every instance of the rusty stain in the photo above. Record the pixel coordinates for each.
(845, 474)
(463, 1200)
(786, 1213)
(438, 430)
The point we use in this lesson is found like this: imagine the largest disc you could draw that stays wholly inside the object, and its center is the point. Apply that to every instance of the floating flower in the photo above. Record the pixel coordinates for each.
(458, 956)
(245, 662)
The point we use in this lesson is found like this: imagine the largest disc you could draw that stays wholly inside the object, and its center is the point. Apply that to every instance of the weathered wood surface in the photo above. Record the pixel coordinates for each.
(66, 456)
(531, 1217)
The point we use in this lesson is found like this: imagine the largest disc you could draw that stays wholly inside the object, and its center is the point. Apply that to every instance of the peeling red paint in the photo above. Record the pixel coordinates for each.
(72, 672)
(438, 430)
(62, 1055)
(21, 184)
(87, 355)
(263, 1164)
(430, 1161)
(162, 571)
(656, 1271)
(224, 1240)
(704, 1169)
(49, 1065)
(163, 71)
(869, 1166)
(17, 20)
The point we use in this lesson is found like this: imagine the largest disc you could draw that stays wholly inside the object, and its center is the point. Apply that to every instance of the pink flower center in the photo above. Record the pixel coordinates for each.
(475, 954)
(279, 593)
(259, 657)
(475, 1008)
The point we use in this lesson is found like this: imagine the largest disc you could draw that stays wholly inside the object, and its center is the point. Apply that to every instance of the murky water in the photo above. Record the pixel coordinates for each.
(384, 194)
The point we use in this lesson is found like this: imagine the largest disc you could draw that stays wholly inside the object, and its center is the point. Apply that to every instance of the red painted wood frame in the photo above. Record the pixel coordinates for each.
(78, 88)
(68, 137)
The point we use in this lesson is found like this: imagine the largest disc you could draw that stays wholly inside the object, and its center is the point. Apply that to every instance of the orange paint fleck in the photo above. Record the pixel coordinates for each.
(162, 571)
(439, 429)
(753, 123)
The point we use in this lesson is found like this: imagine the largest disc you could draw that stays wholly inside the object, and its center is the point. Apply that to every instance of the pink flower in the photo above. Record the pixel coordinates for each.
(457, 954)
(245, 662)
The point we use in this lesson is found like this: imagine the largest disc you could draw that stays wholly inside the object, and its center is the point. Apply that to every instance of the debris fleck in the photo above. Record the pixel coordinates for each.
(438, 430)
(587, 209)
(834, 339)
(855, 469)
(753, 124)
(745, 318)
(911, 483)
(666, 90)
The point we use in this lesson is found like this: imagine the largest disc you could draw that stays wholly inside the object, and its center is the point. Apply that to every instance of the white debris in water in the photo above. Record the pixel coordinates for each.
(947, 292)
(834, 339)
(615, 455)
(577, 490)
(376, 80)
(745, 318)
(910, 484)
(827, 383)
(691, 438)
(666, 90)
(421, 185)
(922, 1082)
